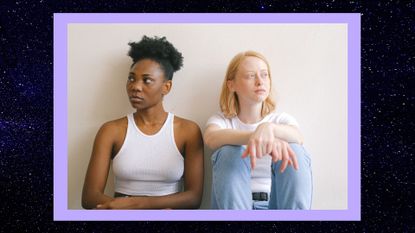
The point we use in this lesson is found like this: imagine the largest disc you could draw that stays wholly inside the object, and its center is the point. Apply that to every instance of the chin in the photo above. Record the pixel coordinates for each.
(261, 99)
(138, 107)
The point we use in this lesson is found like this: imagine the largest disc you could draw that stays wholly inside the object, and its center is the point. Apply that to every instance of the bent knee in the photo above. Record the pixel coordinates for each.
(303, 157)
(296, 147)
(229, 156)
(231, 149)
(230, 152)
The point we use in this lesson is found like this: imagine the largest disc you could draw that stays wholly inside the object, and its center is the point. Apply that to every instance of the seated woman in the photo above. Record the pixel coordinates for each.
(153, 152)
(254, 145)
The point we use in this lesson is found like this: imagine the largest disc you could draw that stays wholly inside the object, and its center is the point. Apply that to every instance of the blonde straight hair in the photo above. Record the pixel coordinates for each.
(229, 103)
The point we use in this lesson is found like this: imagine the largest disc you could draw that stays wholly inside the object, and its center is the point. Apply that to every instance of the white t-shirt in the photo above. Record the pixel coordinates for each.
(261, 175)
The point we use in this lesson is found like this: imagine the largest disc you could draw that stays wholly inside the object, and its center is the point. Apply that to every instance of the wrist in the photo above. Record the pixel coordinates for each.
(274, 128)
(141, 202)
(134, 202)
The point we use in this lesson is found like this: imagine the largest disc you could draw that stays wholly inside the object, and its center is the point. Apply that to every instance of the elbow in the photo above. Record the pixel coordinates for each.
(194, 199)
(197, 206)
(195, 202)
(299, 140)
(209, 140)
(86, 201)
(194, 205)
(85, 204)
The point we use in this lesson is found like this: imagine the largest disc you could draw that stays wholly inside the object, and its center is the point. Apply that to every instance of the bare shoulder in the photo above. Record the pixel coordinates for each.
(183, 124)
(188, 136)
(114, 127)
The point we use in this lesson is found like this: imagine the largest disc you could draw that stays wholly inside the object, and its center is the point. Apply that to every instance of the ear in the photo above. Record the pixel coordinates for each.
(166, 87)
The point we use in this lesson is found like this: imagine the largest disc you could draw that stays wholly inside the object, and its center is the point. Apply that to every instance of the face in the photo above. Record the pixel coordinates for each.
(146, 84)
(251, 82)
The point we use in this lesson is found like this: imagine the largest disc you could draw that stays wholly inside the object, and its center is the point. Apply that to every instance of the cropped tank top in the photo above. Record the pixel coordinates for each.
(148, 165)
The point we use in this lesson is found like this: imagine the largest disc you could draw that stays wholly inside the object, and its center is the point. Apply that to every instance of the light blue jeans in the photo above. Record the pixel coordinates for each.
(231, 182)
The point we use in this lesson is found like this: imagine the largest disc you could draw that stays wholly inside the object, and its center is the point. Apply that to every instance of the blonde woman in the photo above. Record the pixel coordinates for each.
(259, 161)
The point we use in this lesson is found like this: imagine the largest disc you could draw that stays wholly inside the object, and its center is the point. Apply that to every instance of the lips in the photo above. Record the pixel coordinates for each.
(136, 99)
(260, 91)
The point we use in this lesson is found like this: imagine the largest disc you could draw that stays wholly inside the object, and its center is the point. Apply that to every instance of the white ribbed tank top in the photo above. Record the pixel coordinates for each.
(148, 165)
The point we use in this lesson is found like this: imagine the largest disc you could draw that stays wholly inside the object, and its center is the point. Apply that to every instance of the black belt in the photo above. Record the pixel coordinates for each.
(260, 196)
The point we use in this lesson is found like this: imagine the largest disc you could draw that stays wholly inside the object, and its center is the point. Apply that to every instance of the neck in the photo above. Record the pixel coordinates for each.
(250, 113)
(153, 115)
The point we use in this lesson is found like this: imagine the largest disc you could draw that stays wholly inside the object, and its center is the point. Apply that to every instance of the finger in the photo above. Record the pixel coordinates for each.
(285, 151)
(245, 153)
(253, 161)
(100, 206)
(274, 154)
(284, 164)
(251, 151)
(258, 150)
(248, 150)
(293, 157)
(285, 160)
(279, 154)
(252, 148)
(269, 148)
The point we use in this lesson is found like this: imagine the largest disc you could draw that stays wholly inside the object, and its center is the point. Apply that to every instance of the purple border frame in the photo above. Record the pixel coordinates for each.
(60, 163)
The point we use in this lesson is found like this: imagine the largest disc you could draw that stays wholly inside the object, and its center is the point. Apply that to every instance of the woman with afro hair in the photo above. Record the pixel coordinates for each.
(157, 157)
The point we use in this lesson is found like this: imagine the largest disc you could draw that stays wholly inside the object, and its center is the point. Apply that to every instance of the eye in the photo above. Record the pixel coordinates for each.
(264, 75)
(131, 78)
(250, 76)
(148, 80)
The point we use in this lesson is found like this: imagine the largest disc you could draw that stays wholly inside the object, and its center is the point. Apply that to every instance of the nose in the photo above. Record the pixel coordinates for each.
(137, 86)
(258, 80)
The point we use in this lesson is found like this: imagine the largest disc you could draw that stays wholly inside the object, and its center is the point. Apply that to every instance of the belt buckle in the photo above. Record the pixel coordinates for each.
(260, 196)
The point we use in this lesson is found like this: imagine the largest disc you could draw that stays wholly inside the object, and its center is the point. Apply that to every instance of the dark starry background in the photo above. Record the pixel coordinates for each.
(26, 115)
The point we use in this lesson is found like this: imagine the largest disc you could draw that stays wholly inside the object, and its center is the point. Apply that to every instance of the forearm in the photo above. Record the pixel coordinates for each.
(91, 199)
(288, 133)
(181, 200)
(218, 138)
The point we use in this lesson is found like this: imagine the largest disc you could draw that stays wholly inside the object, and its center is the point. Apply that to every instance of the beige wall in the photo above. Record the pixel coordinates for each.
(308, 64)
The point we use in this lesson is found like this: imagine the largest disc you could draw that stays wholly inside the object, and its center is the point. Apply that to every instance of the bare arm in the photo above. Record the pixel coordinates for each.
(98, 168)
(288, 133)
(190, 198)
(216, 137)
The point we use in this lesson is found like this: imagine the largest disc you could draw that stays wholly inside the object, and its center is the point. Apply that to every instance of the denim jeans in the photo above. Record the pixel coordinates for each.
(231, 181)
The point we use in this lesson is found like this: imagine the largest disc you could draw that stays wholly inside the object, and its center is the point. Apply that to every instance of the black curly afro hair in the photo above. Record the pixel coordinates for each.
(159, 50)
